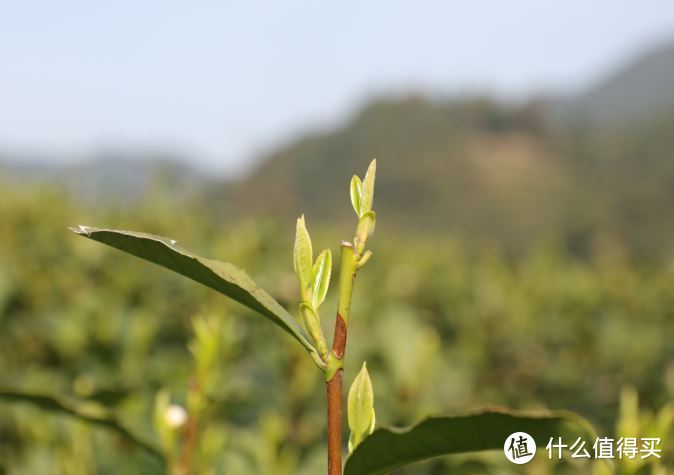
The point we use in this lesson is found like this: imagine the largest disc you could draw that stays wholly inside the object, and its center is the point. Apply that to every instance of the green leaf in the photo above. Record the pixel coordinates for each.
(360, 408)
(303, 258)
(313, 325)
(363, 260)
(388, 449)
(356, 191)
(223, 277)
(321, 278)
(364, 230)
(92, 414)
(367, 194)
(311, 322)
(366, 225)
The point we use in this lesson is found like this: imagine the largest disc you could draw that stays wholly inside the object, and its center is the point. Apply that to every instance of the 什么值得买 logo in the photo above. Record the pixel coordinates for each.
(519, 448)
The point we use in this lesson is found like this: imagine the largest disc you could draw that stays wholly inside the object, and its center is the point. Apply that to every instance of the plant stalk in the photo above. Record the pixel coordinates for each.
(191, 431)
(334, 395)
(347, 276)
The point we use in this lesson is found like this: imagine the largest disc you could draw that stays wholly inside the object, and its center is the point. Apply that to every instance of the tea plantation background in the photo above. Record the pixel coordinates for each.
(523, 257)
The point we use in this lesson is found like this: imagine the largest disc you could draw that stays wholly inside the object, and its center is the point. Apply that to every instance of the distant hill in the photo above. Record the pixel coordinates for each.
(490, 172)
(639, 89)
(117, 178)
(433, 160)
(476, 168)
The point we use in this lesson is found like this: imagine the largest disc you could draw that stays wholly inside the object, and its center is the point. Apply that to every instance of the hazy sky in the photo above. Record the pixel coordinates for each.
(223, 81)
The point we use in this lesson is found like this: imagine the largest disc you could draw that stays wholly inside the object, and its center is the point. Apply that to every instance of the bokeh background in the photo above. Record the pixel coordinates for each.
(524, 251)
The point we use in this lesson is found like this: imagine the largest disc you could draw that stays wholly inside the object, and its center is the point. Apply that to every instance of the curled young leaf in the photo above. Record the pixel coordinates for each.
(360, 408)
(367, 193)
(313, 326)
(303, 259)
(356, 191)
(363, 260)
(321, 278)
(364, 230)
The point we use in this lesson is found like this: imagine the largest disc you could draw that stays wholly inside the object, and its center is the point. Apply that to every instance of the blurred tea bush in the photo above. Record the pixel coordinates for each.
(444, 325)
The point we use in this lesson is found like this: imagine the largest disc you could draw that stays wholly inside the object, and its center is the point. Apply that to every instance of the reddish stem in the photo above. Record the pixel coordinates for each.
(334, 396)
(334, 389)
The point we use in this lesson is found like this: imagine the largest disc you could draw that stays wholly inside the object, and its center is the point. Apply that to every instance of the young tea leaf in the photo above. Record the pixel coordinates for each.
(313, 325)
(321, 278)
(360, 408)
(364, 230)
(303, 258)
(367, 194)
(363, 260)
(356, 191)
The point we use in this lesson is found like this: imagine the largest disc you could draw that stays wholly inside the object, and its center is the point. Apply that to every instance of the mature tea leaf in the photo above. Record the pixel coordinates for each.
(96, 416)
(388, 449)
(221, 276)
(321, 278)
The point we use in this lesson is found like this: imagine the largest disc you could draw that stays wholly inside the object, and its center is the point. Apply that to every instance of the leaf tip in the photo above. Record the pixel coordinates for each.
(367, 193)
(81, 230)
(372, 169)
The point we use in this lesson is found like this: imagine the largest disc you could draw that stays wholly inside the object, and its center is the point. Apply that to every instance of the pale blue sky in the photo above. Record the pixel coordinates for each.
(223, 81)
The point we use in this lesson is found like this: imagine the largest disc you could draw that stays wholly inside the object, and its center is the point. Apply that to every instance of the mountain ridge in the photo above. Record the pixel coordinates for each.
(475, 167)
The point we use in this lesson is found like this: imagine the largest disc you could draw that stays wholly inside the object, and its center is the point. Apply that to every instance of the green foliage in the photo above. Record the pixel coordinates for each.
(88, 412)
(313, 326)
(538, 329)
(632, 421)
(360, 408)
(367, 190)
(355, 193)
(388, 449)
(206, 351)
(321, 278)
(314, 280)
(167, 420)
(362, 191)
(221, 276)
(364, 231)
(362, 195)
(303, 258)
